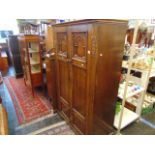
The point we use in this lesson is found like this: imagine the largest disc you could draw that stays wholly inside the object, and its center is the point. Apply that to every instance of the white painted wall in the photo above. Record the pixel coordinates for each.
(9, 24)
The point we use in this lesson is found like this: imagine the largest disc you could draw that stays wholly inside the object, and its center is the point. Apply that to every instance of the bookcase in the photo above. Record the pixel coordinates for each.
(31, 60)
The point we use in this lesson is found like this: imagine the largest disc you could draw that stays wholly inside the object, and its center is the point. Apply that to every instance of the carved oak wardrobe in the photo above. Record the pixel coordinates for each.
(88, 62)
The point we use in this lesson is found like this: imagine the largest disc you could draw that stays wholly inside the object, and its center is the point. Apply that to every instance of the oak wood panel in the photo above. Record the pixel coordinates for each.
(110, 52)
(78, 46)
(90, 21)
(78, 122)
(63, 72)
(65, 110)
(91, 69)
(51, 80)
(64, 80)
(79, 90)
(49, 38)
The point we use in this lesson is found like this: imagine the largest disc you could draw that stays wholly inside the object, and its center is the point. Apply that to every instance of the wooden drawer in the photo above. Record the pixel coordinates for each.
(130, 106)
(37, 79)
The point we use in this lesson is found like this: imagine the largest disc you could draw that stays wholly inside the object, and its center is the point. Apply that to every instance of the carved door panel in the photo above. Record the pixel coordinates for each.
(63, 73)
(79, 80)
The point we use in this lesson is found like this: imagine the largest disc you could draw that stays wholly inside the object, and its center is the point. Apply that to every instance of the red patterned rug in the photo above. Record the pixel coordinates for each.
(26, 106)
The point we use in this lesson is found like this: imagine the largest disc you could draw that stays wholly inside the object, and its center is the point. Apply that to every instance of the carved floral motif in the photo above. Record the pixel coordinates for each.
(62, 41)
(80, 44)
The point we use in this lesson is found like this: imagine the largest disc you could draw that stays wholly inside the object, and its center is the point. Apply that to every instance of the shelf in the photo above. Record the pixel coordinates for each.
(33, 62)
(140, 70)
(135, 69)
(35, 70)
(144, 56)
(33, 51)
(128, 117)
(133, 102)
(121, 91)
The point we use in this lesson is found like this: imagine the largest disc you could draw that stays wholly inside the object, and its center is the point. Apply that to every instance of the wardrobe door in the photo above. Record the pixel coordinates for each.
(63, 68)
(79, 42)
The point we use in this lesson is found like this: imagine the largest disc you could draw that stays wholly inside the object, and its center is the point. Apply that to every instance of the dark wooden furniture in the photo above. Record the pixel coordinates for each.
(51, 78)
(13, 46)
(3, 61)
(88, 56)
(31, 60)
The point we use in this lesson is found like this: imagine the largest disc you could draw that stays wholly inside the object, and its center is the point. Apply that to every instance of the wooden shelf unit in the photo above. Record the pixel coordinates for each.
(31, 60)
(127, 116)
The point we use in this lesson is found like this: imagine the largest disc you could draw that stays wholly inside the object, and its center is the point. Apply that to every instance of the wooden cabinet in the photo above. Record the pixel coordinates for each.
(3, 61)
(15, 54)
(88, 60)
(31, 60)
